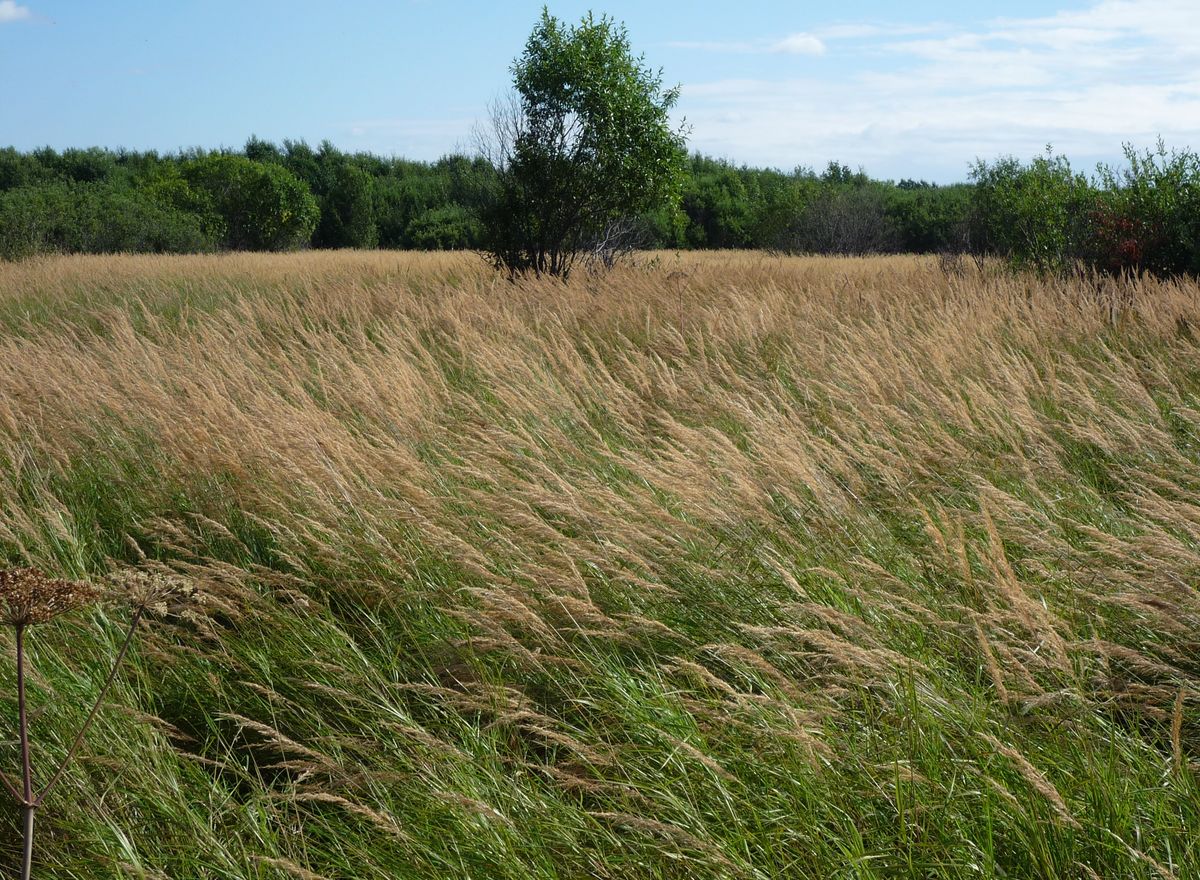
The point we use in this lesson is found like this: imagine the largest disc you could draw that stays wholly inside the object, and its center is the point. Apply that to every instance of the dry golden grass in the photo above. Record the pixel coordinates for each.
(721, 565)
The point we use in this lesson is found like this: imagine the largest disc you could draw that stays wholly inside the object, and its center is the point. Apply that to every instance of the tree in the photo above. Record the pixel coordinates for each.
(442, 229)
(1035, 214)
(264, 207)
(584, 142)
(348, 209)
(1148, 216)
(843, 219)
(717, 206)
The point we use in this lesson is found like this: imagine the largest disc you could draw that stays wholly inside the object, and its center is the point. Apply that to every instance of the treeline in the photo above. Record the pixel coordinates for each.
(1044, 215)
(263, 197)
(1041, 214)
(278, 197)
(839, 211)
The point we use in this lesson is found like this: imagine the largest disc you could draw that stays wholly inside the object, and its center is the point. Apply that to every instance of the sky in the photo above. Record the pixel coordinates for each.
(919, 89)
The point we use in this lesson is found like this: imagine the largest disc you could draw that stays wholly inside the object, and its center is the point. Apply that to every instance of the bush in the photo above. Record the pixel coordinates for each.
(94, 218)
(348, 210)
(263, 206)
(19, 169)
(442, 229)
(32, 219)
(717, 205)
(928, 219)
(1143, 218)
(1036, 215)
(1148, 219)
(844, 220)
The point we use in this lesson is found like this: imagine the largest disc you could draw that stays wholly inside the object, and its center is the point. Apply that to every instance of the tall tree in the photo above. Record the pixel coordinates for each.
(585, 142)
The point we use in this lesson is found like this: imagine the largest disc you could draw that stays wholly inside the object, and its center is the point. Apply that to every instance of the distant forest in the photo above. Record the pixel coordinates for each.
(278, 197)
(1040, 214)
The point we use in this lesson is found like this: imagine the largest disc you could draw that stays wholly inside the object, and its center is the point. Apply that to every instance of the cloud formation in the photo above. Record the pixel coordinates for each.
(799, 44)
(792, 44)
(927, 99)
(10, 11)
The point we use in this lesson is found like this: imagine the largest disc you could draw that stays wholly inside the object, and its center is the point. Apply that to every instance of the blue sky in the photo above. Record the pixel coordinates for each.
(917, 89)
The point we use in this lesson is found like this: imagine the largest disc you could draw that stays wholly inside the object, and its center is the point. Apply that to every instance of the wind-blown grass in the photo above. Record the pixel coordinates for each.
(732, 566)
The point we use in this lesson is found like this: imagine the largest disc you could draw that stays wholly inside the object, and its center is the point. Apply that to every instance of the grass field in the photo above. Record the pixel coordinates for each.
(725, 566)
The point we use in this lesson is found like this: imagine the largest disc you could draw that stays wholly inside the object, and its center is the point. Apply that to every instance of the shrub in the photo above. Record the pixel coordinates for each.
(1142, 218)
(1148, 218)
(844, 220)
(928, 219)
(717, 205)
(442, 229)
(348, 210)
(1036, 214)
(32, 220)
(95, 218)
(263, 205)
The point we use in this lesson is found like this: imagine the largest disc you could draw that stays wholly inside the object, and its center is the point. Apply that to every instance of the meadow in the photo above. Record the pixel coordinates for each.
(725, 565)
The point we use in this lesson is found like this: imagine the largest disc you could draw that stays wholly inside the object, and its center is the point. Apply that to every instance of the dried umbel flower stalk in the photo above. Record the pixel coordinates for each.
(29, 597)
(153, 592)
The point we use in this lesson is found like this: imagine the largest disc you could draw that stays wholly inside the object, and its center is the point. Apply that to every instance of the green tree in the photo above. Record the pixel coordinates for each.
(928, 218)
(264, 206)
(261, 151)
(348, 209)
(586, 142)
(1035, 215)
(1148, 216)
(66, 217)
(717, 205)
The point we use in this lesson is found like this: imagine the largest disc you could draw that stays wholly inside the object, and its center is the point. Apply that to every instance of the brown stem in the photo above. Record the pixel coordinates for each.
(23, 720)
(8, 784)
(26, 766)
(112, 674)
(27, 850)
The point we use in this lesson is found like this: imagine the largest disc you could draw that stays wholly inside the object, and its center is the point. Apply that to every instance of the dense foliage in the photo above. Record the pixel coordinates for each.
(1044, 215)
(586, 142)
(263, 197)
(185, 202)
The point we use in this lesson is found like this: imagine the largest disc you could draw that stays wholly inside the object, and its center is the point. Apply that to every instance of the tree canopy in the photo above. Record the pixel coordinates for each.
(586, 141)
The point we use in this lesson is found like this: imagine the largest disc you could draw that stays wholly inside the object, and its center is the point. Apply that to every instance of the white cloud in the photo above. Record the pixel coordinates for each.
(928, 99)
(1173, 23)
(10, 10)
(792, 44)
(807, 42)
(799, 44)
(864, 30)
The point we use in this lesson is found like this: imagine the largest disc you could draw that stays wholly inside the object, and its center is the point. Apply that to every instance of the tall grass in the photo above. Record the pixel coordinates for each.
(731, 566)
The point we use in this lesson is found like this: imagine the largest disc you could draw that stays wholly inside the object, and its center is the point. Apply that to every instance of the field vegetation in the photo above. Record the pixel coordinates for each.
(716, 566)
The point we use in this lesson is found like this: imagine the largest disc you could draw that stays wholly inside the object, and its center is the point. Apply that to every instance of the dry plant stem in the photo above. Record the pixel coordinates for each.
(27, 804)
(112, 674)
(12, 789)
(27, 851)
(23, 720)
(25, 796)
